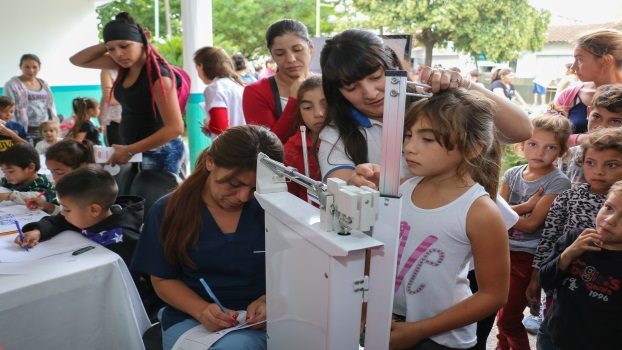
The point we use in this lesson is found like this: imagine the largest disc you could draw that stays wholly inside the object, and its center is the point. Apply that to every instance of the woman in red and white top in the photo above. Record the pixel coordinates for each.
(223, 93)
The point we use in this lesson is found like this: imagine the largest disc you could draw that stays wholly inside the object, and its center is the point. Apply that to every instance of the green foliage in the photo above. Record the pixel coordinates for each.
(239, 26)
(512, 156)
(500, 29)
(142, 11)
(172, 50)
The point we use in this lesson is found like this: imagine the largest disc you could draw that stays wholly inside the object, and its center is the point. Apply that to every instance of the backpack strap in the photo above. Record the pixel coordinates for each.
(278, 109)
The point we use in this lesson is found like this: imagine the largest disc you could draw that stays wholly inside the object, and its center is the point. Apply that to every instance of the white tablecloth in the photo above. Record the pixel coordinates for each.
(86, 301)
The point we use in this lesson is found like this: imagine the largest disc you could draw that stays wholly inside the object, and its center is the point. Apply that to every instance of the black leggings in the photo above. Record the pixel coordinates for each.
(112, 134)
(484, 326)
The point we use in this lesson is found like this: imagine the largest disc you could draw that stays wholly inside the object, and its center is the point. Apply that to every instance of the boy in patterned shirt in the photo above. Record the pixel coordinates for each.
(19, 165)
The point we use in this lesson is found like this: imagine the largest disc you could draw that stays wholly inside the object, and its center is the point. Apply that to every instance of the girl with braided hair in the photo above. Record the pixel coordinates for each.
(146, 88)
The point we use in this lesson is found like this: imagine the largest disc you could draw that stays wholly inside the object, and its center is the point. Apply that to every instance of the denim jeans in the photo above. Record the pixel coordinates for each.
(166, 157)
(244, 339)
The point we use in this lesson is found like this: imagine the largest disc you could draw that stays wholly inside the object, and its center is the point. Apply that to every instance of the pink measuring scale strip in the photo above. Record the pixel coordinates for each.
(401, 273)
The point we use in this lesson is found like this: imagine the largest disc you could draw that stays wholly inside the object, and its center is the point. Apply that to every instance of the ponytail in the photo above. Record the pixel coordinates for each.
(485, 168)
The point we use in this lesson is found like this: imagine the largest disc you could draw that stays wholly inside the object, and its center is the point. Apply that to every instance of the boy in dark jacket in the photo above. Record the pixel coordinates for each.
(88, 197)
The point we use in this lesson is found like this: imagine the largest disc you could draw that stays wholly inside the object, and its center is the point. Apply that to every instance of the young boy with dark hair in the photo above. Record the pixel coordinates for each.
(11, 132)
(585, 274)
(20, 164)
(89, 204)
(604, 112)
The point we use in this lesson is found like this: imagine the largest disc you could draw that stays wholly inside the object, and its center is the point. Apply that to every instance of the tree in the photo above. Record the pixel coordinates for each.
(142, 11)
(500, 29)
(239, 26)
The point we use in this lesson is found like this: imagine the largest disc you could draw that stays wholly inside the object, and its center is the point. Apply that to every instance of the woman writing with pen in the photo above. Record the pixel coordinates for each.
(207, 237)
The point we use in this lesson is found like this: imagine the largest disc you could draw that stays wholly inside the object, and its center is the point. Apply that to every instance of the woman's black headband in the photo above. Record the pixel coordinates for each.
(119, 30)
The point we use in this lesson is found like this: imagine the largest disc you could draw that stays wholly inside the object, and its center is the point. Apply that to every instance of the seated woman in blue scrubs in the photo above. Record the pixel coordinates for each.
(211, 227)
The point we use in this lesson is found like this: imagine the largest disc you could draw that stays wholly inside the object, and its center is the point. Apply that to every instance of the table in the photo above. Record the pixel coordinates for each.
(87, 301)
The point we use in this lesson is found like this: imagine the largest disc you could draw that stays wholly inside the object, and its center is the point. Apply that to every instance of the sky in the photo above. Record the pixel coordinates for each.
(581, 11)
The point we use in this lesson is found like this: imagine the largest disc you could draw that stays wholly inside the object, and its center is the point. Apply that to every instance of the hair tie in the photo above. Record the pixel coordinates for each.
(121, 30)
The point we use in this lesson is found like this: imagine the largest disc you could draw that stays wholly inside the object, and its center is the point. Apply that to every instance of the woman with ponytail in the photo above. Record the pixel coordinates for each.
(147, 91)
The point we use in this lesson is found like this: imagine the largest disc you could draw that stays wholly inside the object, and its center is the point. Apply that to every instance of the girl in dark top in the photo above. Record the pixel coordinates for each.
(83, 109)
(147, 91)
(597, 61)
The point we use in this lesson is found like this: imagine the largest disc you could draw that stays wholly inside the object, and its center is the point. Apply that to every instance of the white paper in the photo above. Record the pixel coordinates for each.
(199, 338)
(17, 212)
(102, 154)
(62, 243)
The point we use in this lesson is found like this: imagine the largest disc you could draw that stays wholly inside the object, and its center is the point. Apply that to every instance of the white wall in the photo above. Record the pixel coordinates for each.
(546, 64)
(53, 30)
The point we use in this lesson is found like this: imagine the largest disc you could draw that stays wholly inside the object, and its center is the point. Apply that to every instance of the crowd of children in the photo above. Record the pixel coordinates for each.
(566, 241)
(561, 233)
(80, 127)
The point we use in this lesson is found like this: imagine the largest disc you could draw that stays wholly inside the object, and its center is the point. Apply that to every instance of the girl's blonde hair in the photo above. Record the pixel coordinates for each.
(464, 121)
(615, 188)
(49, 124)
(556, 124)
(81, 106)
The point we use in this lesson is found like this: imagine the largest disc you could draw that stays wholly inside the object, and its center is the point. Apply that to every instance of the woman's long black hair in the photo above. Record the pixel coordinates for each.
(346, 58)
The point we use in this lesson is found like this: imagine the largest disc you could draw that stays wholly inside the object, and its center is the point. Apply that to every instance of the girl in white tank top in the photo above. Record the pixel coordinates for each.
(449, 218)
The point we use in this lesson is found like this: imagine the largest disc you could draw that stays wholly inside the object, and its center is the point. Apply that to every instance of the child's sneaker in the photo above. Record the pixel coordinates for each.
(532, 323)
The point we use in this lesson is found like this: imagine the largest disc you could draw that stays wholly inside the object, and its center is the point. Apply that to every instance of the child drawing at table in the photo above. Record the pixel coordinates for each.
(448, 217)
(62, 158)
(90, 205)
(584, 272)
(19, 165)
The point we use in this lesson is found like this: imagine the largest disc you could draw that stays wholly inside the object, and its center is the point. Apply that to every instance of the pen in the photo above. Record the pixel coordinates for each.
(83, 250)
(211, 294)
(21, 234)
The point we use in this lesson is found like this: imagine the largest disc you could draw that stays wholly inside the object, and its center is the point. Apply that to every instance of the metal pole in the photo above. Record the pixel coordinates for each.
(392, 132)
(167, 14)
(156, 17)
(305, 157)
(386, 230)
(317, 18)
